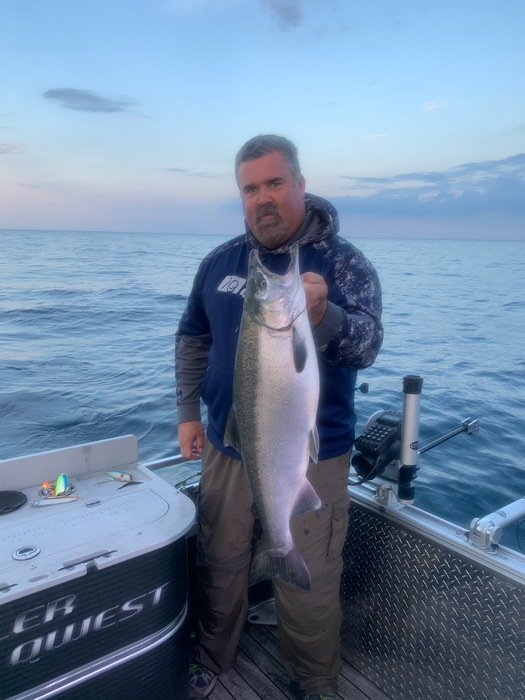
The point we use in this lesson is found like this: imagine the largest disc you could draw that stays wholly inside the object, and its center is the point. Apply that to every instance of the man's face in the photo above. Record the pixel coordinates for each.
(272, 198)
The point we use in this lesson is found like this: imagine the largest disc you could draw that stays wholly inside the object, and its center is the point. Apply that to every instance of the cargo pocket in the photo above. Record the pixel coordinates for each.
(339, 528)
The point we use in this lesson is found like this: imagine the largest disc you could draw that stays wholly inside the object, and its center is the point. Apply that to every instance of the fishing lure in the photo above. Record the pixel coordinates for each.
(61, 485)
(56, 492)
(120, 476)
(47, 501)
(125, 477)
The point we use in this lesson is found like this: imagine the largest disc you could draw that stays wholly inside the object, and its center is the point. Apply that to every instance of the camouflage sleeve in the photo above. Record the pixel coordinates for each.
(351, 332)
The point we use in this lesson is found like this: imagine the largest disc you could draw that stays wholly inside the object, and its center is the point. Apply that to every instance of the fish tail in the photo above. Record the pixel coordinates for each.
(288, 566)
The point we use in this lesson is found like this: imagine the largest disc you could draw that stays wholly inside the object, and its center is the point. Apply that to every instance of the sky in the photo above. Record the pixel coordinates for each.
(126, 115)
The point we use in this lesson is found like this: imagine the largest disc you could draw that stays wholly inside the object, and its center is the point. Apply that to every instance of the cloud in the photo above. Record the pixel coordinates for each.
(10, 149)
(191, 173)
(183, 7)
(433, 105)
(289, 12)
(516, 130)
(482, 188)
(372, 137)
(85, 101)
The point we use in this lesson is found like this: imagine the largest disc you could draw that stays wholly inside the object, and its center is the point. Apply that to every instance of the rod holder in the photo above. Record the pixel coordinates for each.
(409, 456)
(486, 532)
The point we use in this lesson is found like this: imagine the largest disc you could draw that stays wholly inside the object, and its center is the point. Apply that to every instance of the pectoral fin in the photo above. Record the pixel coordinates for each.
(300, 353)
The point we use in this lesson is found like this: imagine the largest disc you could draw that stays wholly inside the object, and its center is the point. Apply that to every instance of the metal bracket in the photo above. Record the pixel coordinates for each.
(486, 532)
(385, 495)
(469, 426)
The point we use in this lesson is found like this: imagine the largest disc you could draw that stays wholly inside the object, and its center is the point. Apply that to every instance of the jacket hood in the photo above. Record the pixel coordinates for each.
(321, 222)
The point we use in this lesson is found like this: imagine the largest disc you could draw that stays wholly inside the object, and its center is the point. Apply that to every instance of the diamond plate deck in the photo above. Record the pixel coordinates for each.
(422, 620)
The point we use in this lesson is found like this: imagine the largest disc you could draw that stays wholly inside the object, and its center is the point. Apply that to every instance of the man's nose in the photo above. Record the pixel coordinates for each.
(264, 196)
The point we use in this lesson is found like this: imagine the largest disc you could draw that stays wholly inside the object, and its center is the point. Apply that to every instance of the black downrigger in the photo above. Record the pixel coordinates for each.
(389, 446)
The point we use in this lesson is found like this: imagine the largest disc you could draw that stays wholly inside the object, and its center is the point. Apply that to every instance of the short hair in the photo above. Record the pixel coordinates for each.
(267, 143)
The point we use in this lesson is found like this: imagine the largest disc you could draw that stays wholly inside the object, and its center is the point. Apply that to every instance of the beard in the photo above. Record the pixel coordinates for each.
(270, 228)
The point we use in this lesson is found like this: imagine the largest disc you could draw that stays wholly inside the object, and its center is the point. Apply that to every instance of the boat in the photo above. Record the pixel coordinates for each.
(431, 609)
(93, 583)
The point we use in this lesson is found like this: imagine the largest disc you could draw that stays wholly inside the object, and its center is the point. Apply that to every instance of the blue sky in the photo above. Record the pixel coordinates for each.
(126, 115)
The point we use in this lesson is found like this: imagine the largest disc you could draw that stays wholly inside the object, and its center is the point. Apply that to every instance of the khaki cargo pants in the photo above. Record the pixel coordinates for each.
(308, 621)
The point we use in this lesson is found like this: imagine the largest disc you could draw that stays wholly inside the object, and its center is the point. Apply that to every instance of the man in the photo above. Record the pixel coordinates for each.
(344, 306)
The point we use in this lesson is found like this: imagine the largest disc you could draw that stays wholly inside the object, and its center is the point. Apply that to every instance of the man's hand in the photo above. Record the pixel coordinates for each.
(316, 291)
(191, 439)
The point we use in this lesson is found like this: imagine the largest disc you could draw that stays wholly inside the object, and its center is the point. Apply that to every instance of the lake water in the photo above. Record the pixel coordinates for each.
(87, 324)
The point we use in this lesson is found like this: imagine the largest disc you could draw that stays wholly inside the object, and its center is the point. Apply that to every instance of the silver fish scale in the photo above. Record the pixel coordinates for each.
(276, 390)
(276, 417)
(423, 622)
(271, 389)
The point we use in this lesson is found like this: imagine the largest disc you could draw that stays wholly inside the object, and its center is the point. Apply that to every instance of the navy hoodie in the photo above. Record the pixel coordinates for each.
(348, 338)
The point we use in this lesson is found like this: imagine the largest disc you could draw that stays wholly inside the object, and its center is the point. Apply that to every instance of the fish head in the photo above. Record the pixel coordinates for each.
(274, 300)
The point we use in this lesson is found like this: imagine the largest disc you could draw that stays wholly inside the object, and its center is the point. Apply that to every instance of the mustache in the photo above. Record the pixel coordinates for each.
(267, 209)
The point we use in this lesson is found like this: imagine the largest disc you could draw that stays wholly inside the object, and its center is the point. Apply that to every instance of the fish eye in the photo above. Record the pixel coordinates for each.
(260, 283)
